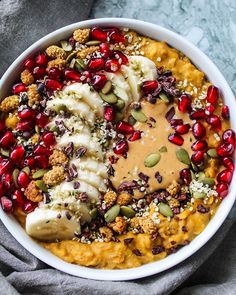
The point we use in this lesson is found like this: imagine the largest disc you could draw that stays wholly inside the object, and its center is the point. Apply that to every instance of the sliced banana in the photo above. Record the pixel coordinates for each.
(91, 165)
(92, 179)
(51, 225)
(72, 124)
(139, 69)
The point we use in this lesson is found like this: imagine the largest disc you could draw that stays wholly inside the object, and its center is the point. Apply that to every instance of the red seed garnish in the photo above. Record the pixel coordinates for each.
(199, 145)
(2, 126)
(184, 103)
(116, 37)
(98, 81)
(39, 72)
(48, 138)
(175, 122)
(70, 74)
(41, 120)
(96, 64)
(198, 157)
(6, 204)
(222, 189)
(7, 140)
(7, 182)
(1, 189)
(225, 176)
(225, 112)
(5, 166)
(135, 136)
(198, 115)
(176, 139)
(105, 50)
(182, 129)
(212, 94)
(148, 87)
(185, 175)
(29, 64)
(41, 59)
(214, 121)
(18, 198)
(120, 56)
(24, 126)
(209, 109)
(42, 150)
(52, 84)
(17, 154)
(121, 147)
(198, 130)
(54, 73)
(29, 206)
(109, 113)
(41, 161)
(23, 179)
(170, 114)
(27, 114)
(228, 163)
(229, 136)
(112, 65)
(225, 149)
(124, 127)
(30, 162)
(97, 33)
(18, 88)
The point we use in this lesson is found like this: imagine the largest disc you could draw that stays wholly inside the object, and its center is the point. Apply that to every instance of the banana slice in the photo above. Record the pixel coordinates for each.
(92, 179)
(51, 225)
(72, 124)
(139, 69)
(84, 140)
(84, 92)
(91, 165)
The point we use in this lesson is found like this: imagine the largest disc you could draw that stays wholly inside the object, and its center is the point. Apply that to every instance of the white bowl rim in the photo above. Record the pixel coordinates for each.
(214, 75)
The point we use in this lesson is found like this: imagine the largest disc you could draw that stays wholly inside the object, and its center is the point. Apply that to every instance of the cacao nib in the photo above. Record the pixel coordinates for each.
(144, 177)
(80, 152)
(128, 241)
(127, 185)
(158, 177)
(170, 114)
(68, 216)
(69, 149)
(202, 209)
(111, 170)
(76, 185)
(157, 250)
(83, 197)
(184, 229)
(137, 252)
(109, 184)
(115, 239)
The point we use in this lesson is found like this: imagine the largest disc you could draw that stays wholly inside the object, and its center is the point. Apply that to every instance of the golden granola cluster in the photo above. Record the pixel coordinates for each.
(119, 225)
(56, 63)
(106, 233)
(58, 158)
(9, 103)
(87, 51)
(27, 77)
(33, 96)
(81, 35)
(33, 193)
(54, 176)
(110, 197)
(173, 188)
(56, 52)
(122, 199)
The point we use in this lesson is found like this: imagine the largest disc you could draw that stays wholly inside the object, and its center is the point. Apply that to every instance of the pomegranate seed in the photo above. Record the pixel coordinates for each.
(229, 136)
(225, 176)
(29, 64)
(7, 182)
(105, 50)
(124, 127)
(71, 75)
(96, 64)
(17, 154)
(72, 41)
(120, 56)
(185, 175)
(54, 85)
(5, 166)
(98, 81)
(121, 147)
(198, 115)
(199, 145)
(87, 76)
(54, 73)
(18, 198)
(97, 33)
(18, 88)
(39, 72)
(41, 120)
(135, 136)
(25, 126)
(225, 112)
(2, 126)
(222, 189)
(225, 149)
(197, 157)
(109, 113)
(176, 139)
(41, 161)
(170, 114)
(198, 130)
(184, 103)
(23, 179)
(7, 140)
(27, 114)
(209, 109)
(116, 37)
(42, 150)
(148, 87)
(182, 129)
(112, 65)
(212, 94)
(228, 163)
(41, 59)
(48, 138)
(29, 207)
(175, 122)
(30, 162)
(2, 191)
(214, 121)
(6, 204)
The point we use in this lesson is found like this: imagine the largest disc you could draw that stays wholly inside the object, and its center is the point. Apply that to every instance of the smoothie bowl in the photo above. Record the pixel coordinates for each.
(117, 149)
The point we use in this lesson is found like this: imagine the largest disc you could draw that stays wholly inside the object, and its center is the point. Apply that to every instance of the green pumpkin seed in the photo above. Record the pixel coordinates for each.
(70, 57)
(127, 211)
(107, 87)
(119, 116)
(183, 156)
(41, 185)
(193, 176)
(201, 175)
(112, 213)
(164, 97)
(212, 153)
(26, 170)
(53, 128)
(109, 98)
(15, 174)
(60, 108)
(120, 104)
(72, 63)
(195, 167)
(93, 43)
(37, 129)
(139, 116)
(5, 153)
(198, 195)
(94, 213)
(152, 159)
(165, 210)
(79, 64)
(39, 173)
(209, 181)
(163, 149)
(131, 120)
(66, 46)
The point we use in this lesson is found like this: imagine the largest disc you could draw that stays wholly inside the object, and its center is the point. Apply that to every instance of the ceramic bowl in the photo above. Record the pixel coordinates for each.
(213, 74)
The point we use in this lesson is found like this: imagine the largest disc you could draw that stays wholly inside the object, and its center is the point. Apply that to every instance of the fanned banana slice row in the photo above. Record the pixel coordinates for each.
(91, 165)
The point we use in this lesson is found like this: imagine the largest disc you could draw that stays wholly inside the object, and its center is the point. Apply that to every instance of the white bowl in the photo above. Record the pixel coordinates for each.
(213, 74)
